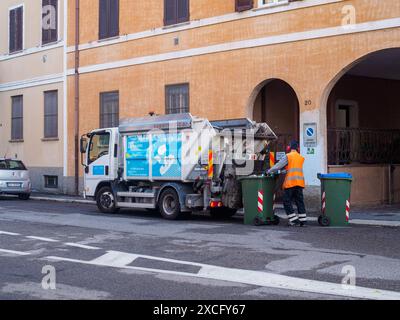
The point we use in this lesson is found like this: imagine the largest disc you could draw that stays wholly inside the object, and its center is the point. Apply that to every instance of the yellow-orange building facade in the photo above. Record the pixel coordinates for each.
(293, 64)
(230, 61)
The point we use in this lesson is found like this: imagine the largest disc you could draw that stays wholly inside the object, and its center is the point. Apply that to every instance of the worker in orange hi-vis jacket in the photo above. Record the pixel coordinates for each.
(293, 185)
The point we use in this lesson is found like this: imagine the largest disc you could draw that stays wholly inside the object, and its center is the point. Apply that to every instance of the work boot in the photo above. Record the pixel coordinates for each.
(294, 223)
(303, 219)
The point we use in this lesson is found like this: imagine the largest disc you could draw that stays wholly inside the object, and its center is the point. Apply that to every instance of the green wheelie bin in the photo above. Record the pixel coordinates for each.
(259, 197)
(335, 199)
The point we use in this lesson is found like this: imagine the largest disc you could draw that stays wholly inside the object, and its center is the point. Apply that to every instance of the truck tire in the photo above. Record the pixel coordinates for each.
(105, 200)
(222, 213)
(169, 205)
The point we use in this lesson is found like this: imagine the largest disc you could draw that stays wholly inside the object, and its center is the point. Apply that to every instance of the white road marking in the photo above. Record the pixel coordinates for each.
(250, 277)
(18, 253)
(42, 239)
(83, 246)
(9, 233)
(115, 259)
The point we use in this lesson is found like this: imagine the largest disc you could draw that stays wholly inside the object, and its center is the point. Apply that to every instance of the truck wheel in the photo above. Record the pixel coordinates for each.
(105, 200)
(169, 205)
(222, 213)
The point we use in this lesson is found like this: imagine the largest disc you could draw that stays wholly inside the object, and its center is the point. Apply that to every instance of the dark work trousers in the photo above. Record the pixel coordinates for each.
(295, 195)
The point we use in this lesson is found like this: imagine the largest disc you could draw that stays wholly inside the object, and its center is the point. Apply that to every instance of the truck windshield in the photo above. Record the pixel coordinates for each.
(99, 145)
(11, 165)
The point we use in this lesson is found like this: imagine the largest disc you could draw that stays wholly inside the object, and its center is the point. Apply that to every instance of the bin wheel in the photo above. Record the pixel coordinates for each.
(276, 220)
(324, 221)
(258, 222)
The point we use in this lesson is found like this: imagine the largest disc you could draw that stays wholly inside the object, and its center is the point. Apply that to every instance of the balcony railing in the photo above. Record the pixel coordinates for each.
(367, 146)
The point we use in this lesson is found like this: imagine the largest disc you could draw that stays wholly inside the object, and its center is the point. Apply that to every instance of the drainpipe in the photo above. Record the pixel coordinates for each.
(391, 172)
(76, 99)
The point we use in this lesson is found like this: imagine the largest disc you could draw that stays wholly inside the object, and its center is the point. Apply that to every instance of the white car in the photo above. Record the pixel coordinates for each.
(14, 178)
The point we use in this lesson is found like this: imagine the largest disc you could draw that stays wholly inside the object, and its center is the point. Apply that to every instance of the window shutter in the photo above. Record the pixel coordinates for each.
(17, 118)
(19, 28)
(54, 32)
(170, 12)
(242, 5)
(13, 31)
(114, 18)
(183, 11)
(51, 114)
(103, 19)
(45, 33)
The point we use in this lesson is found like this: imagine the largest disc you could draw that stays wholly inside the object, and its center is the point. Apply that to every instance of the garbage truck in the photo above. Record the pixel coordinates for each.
(175, 164)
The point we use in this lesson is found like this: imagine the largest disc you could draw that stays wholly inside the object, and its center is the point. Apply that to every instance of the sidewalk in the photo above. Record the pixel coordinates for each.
(60, 198)
(388, 216)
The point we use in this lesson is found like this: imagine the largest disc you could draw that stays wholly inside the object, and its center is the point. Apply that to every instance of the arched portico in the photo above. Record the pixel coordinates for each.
(361, 112)
(275, 102)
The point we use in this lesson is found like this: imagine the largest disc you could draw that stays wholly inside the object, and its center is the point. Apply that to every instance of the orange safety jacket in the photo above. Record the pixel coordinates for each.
(295, 175)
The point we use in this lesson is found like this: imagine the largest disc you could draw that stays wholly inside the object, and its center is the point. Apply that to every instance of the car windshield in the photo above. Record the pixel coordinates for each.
(11, 165)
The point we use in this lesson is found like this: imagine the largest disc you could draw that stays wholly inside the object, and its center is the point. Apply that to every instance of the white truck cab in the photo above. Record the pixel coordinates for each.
(101, 158)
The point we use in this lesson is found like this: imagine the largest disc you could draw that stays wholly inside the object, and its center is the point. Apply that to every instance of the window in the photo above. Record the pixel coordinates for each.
(176, 11)
(108, 19)
(98, 147)
(109, 109)
(49, 21)
(177, 98)
(17, 118)
(16, 29)
(242, 5)
(51, 114)
(347, 114)
(51, 182)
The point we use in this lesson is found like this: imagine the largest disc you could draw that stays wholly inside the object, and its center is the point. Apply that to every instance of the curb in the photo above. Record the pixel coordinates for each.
(377, 223)
(380, 223)
(63, 200)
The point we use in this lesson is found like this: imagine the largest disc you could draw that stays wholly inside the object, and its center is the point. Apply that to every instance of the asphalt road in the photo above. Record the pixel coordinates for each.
(137, 255)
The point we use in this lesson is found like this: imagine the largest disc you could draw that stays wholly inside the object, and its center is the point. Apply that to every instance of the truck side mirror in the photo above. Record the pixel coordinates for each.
(83, 145)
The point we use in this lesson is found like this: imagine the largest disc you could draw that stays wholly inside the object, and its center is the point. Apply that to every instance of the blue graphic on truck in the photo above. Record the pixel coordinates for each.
(137, 159)
(165, 155)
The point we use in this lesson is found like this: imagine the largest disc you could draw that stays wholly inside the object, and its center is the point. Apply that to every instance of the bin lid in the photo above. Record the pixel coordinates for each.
(339, 175)
(255, 177)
